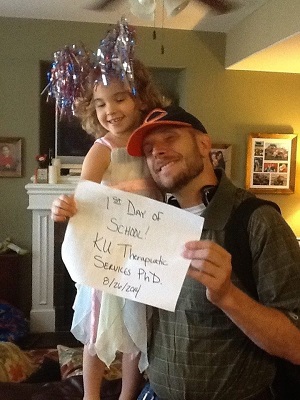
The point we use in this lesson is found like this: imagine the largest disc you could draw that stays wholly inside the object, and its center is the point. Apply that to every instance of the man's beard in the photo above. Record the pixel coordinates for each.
(182, 179)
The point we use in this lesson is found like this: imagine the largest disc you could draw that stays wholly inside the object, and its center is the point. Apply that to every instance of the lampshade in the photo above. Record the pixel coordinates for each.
(143, 8)
(174, 7)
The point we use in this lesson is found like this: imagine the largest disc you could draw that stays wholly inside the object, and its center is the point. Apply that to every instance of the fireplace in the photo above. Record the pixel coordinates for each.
(52, 289)
(64, 290)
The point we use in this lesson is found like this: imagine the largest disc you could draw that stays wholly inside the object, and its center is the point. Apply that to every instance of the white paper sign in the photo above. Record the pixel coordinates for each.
(128, 245)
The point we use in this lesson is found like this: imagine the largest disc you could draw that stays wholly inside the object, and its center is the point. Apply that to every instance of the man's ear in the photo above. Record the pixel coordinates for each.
(204, 143)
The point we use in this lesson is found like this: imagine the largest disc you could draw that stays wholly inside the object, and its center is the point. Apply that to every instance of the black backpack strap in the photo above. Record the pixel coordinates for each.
(237, 241)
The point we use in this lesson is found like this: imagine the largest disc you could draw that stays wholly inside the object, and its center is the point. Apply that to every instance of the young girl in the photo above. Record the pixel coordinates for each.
(103, 322)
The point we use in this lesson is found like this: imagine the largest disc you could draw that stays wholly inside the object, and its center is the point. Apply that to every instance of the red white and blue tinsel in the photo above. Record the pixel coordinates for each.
(114, 56)
(72, 67)
(68, 75)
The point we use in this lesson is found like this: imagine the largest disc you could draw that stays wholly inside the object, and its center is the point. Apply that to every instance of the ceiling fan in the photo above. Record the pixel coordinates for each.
(145, 8)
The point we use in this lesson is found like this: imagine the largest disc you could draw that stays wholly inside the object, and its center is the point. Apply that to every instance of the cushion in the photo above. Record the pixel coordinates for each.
(15, 364)
(13, 324)
(39, 355)
(71, 359)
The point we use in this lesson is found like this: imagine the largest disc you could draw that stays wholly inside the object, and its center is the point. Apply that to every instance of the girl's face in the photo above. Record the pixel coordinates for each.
(118, 111)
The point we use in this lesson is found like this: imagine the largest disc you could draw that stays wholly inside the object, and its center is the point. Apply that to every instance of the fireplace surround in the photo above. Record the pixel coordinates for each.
(43, 310)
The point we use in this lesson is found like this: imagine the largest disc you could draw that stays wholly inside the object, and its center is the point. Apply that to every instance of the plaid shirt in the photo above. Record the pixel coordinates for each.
(197, 352)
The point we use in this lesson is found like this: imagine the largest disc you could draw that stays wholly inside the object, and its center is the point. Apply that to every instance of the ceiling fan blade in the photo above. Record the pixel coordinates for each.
(219, 6)
(100, 5)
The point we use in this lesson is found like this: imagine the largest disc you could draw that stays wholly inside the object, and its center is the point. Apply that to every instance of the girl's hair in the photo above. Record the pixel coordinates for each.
(146, 91)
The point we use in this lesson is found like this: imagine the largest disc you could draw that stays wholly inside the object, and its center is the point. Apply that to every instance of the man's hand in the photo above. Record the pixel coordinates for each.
(211, 266)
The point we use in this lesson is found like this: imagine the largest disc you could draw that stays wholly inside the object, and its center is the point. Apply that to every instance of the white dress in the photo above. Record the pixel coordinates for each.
(104, 322)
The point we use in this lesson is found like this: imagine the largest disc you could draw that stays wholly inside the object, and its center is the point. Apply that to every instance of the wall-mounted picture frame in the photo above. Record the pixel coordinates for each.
(221, 157)
(11, 157)
(271, 163)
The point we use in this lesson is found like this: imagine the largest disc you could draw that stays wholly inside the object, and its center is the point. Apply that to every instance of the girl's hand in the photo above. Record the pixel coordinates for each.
(62, 208)
(211, 266)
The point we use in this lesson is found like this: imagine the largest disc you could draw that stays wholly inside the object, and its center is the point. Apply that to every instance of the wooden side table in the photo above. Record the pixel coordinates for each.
(10, 278)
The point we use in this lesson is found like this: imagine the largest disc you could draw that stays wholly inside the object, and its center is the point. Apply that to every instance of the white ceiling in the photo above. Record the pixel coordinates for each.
(279, 56)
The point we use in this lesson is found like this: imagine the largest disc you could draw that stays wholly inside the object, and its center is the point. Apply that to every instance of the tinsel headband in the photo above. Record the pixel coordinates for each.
(115, 55)
(73, 67)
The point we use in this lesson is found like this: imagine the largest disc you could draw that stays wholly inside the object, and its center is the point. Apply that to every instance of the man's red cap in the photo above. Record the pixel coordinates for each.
(169, 116)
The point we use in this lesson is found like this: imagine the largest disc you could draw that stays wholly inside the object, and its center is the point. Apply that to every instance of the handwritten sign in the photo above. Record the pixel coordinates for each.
(128, 245)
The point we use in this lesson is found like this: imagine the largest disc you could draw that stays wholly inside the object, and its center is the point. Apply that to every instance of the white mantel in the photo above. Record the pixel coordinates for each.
(41, 196)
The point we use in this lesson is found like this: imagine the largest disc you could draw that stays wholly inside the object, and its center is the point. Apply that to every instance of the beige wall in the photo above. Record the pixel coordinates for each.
(231, 104)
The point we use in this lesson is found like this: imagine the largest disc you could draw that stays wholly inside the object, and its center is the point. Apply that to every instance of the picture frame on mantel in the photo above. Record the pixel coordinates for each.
(11, 157)
(271, 163)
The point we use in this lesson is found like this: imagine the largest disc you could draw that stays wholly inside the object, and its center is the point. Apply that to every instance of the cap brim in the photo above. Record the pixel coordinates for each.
(135, 142)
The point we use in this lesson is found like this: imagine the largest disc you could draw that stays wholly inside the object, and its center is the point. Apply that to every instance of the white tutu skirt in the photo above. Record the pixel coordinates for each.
(106, 324)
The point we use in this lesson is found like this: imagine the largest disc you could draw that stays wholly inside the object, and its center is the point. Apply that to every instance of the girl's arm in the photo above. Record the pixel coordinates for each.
(95, 164)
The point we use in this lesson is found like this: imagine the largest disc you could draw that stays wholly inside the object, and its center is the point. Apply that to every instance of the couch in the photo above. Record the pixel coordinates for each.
(50, 374)
(69, 389)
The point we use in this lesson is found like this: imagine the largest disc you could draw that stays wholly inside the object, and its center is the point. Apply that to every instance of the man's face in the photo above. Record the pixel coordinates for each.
(173, 157)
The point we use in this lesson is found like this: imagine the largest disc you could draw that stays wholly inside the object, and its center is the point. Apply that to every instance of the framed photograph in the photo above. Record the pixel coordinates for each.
(221, 157)
(41, 175)
(271, 163)
(10, 157)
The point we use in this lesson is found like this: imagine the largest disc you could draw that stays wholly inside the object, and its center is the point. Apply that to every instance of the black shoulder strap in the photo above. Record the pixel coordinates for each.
(237, 240)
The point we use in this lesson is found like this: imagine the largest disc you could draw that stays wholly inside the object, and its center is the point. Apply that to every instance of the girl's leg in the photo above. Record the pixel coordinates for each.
(93, 371)
(132, 379)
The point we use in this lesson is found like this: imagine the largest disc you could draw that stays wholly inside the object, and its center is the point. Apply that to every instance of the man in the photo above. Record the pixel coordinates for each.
(219, 341)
